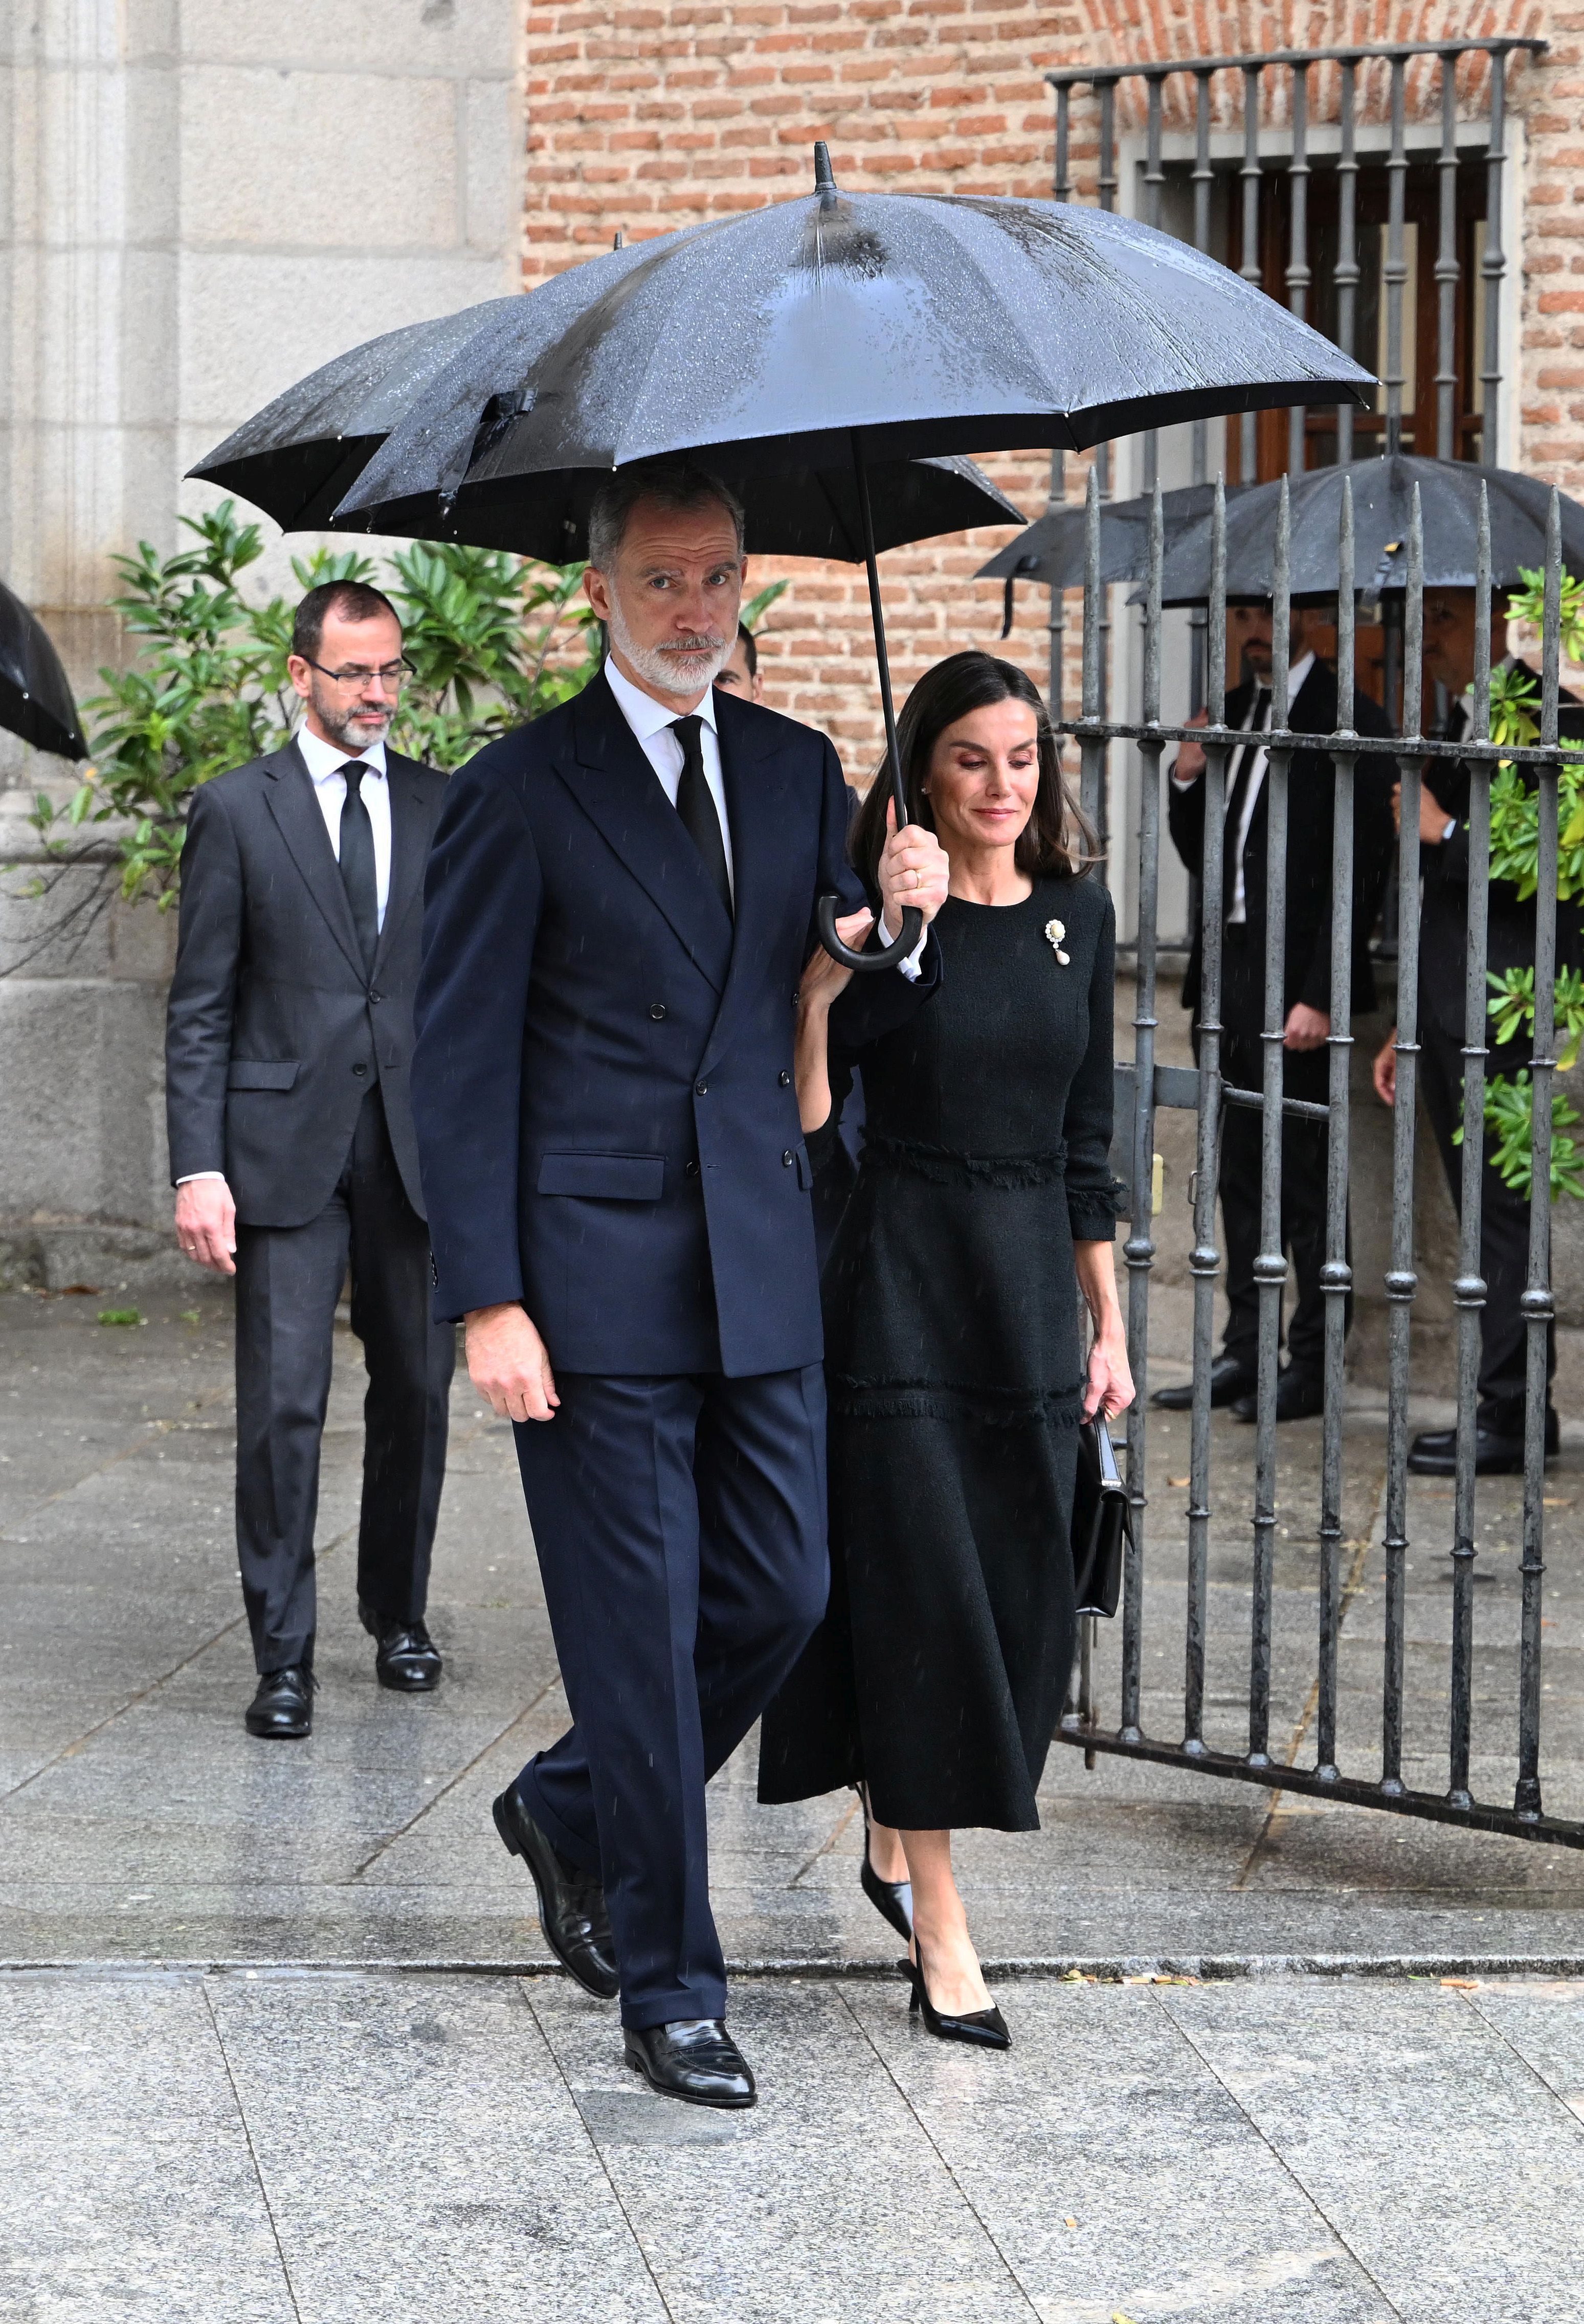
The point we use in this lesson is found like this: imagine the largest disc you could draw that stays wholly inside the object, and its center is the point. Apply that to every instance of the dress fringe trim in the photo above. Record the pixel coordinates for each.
(1009, 1407)
(942, 1167)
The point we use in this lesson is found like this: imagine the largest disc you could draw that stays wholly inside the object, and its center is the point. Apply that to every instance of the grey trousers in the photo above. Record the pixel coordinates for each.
(288, 1281)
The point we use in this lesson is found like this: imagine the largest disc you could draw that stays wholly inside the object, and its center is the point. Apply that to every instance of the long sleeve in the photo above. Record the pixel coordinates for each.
(1093, 1195)
(482, 898)
(202, 1002)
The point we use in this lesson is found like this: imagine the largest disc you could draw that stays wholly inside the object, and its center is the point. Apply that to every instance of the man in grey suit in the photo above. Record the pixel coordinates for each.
(288, 1043)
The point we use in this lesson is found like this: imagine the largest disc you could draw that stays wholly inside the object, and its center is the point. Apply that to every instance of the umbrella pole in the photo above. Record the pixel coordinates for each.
(912, 920)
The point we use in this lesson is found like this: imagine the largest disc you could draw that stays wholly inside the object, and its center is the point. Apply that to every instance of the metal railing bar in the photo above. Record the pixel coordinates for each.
(1488, 755)
(1448, 272)
(1248, 443)
(1351, 1791)
(1270, 1265)
(1203, 176)
(1297, 1108)
(1297, 275)
(1139, 1251)
(1502, 45)
(1092, 749)
(1395, 271)
(1401, 1282)
(1205, 1260)
(1337, 1274)
(1056, 622)
(1347, 270)
(1468, 1291)
(1493, 262)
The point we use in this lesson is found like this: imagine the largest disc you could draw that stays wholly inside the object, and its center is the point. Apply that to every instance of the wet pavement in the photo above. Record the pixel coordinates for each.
(282, 2039)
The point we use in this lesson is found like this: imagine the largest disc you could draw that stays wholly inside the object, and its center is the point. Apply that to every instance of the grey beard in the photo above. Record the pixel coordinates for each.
(339, 726)
(657, 667)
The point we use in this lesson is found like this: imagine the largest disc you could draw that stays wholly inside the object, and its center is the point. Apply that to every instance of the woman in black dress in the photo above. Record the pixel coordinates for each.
(985, 1206)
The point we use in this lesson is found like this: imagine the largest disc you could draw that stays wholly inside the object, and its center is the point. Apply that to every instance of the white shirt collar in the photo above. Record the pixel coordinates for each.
(324, 758)
(643, 713)
(1297, 677)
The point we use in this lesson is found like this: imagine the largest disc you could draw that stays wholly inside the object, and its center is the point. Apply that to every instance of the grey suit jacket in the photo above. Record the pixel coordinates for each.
(273, 1032)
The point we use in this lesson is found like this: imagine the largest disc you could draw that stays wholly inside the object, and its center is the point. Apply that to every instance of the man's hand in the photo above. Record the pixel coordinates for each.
(1383, 1071)
(507, 1362)
(1433, 817)
(1189, 763)
(914, 869)
(206, 1224)
(1306, 1027)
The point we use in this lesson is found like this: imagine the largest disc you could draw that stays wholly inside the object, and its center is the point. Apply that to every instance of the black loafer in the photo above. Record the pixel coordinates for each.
(1300, 1396)
(1229, 1378)
(406, 1657)
(571, 1903)
(695, 2058)
(1434, 1451)
(282, 1709)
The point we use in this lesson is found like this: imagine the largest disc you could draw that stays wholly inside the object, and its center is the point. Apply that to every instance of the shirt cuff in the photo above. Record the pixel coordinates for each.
(909, 967)
(193, 1176)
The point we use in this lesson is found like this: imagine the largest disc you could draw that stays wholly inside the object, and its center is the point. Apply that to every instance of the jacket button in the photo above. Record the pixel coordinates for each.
(658, 1011)
(376, 996)
(691, 1169)
(784, 1079)
(700, 1089)
(789, 1157)
(360, 1069)
(797, 995)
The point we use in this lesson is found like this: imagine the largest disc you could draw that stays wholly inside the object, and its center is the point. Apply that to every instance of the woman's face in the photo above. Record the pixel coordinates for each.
(983, 772)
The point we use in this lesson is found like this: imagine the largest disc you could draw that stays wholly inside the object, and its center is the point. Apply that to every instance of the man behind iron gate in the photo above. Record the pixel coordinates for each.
(287, 1041)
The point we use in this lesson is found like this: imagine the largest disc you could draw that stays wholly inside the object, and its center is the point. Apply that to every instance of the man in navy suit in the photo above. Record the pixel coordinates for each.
(620, 902)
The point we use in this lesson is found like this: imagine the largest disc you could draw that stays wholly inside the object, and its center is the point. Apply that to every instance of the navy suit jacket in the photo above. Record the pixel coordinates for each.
(603, 1079)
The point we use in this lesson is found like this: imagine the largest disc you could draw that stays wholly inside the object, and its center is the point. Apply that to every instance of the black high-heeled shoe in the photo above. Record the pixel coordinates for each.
(892, 1899)
(984, 2029)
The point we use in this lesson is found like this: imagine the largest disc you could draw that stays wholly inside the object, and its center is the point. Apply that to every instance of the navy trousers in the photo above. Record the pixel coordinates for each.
(679, 1523)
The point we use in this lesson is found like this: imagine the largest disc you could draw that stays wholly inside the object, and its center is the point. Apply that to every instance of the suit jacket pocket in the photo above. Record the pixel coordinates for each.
(607, 1177)
(262, 1073)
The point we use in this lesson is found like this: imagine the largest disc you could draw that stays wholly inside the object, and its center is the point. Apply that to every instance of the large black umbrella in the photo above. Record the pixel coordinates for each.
(35, 700)
(1383, 492)
(1053, 550)
(872, 327)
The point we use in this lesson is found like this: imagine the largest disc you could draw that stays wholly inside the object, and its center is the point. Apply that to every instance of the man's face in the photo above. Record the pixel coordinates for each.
(1449, 639)
(1248, 639)
(735, 676)
(349, 702)
(671, 602)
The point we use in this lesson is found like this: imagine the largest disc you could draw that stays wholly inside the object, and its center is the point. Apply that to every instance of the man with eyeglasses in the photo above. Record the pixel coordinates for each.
(288, 1042)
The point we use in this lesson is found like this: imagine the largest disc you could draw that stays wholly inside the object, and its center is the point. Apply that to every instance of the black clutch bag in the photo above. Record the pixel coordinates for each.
(1101, 1522)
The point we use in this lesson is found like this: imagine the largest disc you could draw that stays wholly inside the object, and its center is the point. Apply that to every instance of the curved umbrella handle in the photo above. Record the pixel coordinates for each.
(825, 910)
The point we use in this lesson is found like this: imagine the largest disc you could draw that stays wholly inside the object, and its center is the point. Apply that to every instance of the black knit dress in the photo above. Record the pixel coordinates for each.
(955, 1372)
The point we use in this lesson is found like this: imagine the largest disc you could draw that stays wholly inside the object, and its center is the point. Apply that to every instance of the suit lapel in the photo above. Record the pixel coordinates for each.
(757, 809)
(409, 847)
(619, 790)
(290, 796)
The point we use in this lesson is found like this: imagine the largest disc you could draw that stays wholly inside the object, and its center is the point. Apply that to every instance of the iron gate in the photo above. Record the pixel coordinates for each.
(1544, 763)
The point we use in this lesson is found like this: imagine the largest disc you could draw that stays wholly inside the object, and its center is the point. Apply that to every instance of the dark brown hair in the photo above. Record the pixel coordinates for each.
(1054, 843)
(354, 601)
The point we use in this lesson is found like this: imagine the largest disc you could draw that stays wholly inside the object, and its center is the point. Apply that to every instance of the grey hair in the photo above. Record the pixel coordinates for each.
(672, 484)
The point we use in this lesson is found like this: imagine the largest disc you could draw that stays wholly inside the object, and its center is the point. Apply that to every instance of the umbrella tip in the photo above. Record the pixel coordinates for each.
(824, 183)
(619, 240)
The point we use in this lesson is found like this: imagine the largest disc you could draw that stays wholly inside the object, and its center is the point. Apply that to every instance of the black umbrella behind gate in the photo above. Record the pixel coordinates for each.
(869, 328)
(35, 700)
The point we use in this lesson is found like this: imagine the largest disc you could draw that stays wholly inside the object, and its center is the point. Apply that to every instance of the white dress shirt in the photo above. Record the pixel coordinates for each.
(652, 724)
(324, 761)
(1296, 678)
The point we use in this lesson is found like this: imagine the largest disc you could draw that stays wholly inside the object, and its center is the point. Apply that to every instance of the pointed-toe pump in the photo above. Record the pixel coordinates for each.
(892, 1899)
(984, 2029)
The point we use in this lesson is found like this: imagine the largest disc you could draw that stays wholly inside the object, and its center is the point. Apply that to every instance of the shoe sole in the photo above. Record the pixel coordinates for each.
(278, 1734)
(514, 1847)
(407, 1685)
(688, 2098)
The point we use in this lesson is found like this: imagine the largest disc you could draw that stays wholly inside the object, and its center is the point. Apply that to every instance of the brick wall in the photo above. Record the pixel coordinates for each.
(650, 117)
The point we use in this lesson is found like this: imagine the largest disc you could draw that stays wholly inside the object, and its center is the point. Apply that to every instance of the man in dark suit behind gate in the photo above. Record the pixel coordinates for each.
(1307, 992)
(620, 905)
(288, 1045)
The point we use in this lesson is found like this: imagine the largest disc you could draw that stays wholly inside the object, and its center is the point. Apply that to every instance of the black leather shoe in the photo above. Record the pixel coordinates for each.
(1229, 1378)
(406, 1656)
(1434, 1451)
(984, 2029)
(282, 1709)
(1298, 1396)
(693, 2058)
(571, 1903)
(892, 1899)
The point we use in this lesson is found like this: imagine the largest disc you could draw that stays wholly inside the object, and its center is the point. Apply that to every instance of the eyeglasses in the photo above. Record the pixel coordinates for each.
(394, 674)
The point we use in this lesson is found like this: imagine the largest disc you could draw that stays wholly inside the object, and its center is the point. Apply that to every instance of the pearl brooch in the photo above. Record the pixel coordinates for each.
(1054, 932)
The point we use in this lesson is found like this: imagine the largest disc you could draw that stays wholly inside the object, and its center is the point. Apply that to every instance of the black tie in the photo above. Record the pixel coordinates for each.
(357, 863)
(1242, 777)
(696, 807)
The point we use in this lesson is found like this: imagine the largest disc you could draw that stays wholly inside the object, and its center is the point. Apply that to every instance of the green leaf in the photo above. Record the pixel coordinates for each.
(759, 605)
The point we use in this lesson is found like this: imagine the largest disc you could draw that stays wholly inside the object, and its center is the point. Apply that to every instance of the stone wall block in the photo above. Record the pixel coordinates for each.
(474, 39)
(493, 170)
(79, 1066)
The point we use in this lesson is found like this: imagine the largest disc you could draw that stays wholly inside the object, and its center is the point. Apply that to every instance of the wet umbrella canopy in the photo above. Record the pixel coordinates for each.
(1052, 551)
(35, 700)
(1383, 491)
(861, 327)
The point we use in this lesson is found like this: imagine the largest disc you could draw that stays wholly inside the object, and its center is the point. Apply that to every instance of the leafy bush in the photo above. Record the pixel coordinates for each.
(494, 640)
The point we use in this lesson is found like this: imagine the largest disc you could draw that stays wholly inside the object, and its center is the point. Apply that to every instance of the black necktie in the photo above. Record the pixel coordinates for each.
(696, 807)
(357, 863)
(1243, 775)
